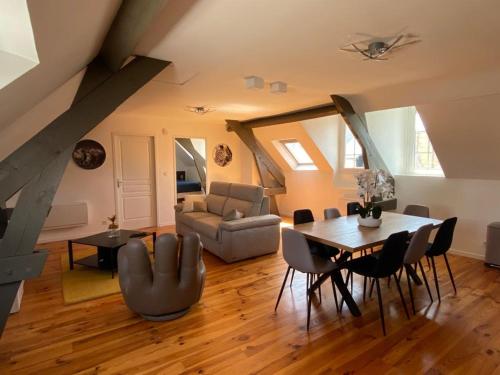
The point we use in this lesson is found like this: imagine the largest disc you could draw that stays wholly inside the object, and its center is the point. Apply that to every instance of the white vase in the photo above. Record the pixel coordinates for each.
(369, 222)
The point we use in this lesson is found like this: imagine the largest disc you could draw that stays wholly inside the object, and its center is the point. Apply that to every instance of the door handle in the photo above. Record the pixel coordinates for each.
(118, 183)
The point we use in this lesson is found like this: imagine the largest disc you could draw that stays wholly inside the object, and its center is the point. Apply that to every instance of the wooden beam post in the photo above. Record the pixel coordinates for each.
(270, 174)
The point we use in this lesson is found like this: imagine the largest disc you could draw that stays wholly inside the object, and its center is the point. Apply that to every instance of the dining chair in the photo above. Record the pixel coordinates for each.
(440, 246)
(416, 210)
(353, 208)
(306, 216)
(383, 264)
(331, 213)
(414, 253)
(299, 257)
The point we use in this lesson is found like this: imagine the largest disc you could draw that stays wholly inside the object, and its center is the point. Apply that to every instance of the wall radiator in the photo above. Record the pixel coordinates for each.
(67, 216)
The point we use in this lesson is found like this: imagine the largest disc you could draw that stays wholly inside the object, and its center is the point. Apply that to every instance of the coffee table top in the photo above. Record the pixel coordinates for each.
(103, 239)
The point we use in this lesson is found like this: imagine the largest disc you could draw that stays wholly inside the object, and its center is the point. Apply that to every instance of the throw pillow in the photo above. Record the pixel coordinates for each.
(234, 214)
(200, 206)
(189, 201)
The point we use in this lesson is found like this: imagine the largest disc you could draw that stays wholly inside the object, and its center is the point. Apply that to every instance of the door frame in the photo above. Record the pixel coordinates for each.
(174, 158)
(155, 138)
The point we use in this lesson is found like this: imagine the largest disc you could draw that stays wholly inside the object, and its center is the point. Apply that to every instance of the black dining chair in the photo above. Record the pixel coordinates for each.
(383, 264)
(440, 246)
(353, 208)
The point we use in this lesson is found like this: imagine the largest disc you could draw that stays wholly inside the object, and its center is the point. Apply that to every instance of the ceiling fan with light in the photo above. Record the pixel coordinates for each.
(377, 48)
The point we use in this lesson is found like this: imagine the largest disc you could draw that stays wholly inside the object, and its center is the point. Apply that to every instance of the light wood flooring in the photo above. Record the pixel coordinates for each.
(234, 329)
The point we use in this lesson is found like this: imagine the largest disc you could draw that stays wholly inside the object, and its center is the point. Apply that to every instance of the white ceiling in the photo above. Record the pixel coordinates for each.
(214, 44)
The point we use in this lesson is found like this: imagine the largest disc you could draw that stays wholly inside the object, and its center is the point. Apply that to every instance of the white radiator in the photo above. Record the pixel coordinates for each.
(67, 216)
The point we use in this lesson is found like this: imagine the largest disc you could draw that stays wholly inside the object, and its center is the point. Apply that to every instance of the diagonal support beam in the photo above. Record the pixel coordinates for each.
(358, 127)
(32, 157)
(271, 176)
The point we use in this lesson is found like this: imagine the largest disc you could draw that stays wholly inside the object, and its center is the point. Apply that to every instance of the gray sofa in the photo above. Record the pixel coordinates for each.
(257, 233)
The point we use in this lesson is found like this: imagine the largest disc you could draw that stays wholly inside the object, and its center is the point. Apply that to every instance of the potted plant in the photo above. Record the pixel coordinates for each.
(372, 183)
(113, 231)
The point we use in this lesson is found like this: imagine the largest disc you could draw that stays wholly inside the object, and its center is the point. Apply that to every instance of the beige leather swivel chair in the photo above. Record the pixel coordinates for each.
(167, 290)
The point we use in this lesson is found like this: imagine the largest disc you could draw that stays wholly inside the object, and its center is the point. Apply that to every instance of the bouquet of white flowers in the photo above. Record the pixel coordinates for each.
(373, 183)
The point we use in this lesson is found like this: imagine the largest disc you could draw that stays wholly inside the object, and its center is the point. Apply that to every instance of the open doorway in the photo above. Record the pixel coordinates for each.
(190, 167)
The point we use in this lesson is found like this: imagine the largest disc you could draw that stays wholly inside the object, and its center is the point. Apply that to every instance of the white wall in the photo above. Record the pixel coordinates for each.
(474, 202)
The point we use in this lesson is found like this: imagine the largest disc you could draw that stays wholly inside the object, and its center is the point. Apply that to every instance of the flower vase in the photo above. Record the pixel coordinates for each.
(369, 222)
(113, 231)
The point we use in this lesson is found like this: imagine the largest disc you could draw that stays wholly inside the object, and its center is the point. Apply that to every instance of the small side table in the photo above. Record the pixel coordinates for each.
(107, 248)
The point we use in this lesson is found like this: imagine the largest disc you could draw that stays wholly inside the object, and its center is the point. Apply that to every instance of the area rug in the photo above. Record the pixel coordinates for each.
(86, 283)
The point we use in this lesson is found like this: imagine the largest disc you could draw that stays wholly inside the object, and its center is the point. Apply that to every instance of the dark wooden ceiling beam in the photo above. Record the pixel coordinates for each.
(309, 113)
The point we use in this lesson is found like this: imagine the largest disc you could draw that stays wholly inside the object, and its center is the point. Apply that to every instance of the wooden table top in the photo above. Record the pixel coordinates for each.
(345, 233)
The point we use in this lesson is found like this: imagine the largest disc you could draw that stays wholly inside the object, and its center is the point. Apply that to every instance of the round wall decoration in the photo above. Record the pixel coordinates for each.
(222, 155)
(89, 154)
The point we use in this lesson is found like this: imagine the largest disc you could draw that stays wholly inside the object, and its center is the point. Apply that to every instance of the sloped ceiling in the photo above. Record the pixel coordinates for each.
(214, 44)
(465, 134)
(68, 34)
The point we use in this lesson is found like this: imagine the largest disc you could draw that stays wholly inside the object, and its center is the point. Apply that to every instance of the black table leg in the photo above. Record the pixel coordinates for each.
(413, 274)
(70, 254)
(346, 295)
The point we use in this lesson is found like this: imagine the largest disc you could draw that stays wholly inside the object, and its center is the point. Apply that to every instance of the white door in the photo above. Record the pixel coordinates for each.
(135, 181)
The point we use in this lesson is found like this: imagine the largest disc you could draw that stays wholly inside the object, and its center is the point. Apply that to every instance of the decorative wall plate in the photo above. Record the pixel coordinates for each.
(89, 154)
(222, 155)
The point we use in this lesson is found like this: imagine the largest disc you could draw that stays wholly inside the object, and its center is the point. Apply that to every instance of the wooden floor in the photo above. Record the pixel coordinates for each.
(234, 329)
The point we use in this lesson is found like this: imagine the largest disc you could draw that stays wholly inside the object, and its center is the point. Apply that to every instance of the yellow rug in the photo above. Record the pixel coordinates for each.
(86, 283)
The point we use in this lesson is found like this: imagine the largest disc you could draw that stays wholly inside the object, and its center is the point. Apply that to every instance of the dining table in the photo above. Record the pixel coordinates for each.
(346, 234)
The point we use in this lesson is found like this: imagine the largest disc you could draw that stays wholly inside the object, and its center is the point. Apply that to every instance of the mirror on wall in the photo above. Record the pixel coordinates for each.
(190, 167)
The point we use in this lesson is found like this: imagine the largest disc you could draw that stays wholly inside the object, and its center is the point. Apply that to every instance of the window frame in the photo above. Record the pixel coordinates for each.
(290, 157)
(342, 149)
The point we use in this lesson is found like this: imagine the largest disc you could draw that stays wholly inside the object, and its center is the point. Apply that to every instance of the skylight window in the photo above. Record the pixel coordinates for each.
(353, 153)
(295, 154)
(425, 159)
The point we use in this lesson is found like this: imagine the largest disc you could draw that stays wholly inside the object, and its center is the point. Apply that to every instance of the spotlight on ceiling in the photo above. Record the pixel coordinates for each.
(199, 110)
(254, 82)
(278, 87)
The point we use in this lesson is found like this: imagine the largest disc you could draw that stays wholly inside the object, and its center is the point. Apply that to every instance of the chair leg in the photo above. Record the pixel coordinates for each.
(380, 305)
(364, 288)
(425, 280)
(449, 272)
(428, 263)
(282, 287)
(291, 280)
(371, 288)
(309, 300)
(335, 293)
(401, 273)
(389, 282)
(410, 292)
(436, 281)
(401, 296)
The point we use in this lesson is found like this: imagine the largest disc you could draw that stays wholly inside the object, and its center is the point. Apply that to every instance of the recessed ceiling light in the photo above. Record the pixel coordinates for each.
(254, 82)
(278, 87)
(200, 110)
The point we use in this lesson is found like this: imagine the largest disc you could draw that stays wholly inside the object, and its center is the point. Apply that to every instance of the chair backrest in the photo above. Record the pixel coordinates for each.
(444, 237)
(418, 244)
(353, 208)
(302, 216)
(298, 255)
(416, 210)
(392, 255)
(331, 213)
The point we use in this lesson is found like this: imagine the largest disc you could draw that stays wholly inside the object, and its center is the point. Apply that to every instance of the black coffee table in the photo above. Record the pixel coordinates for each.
(107, 248)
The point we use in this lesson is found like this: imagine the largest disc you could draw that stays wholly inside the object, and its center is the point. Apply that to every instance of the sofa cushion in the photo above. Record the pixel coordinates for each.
(208, 226)
(244, 198)
(250, 193)
(233, 215)
(215, 203)
(190, 217)
(220, 188)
